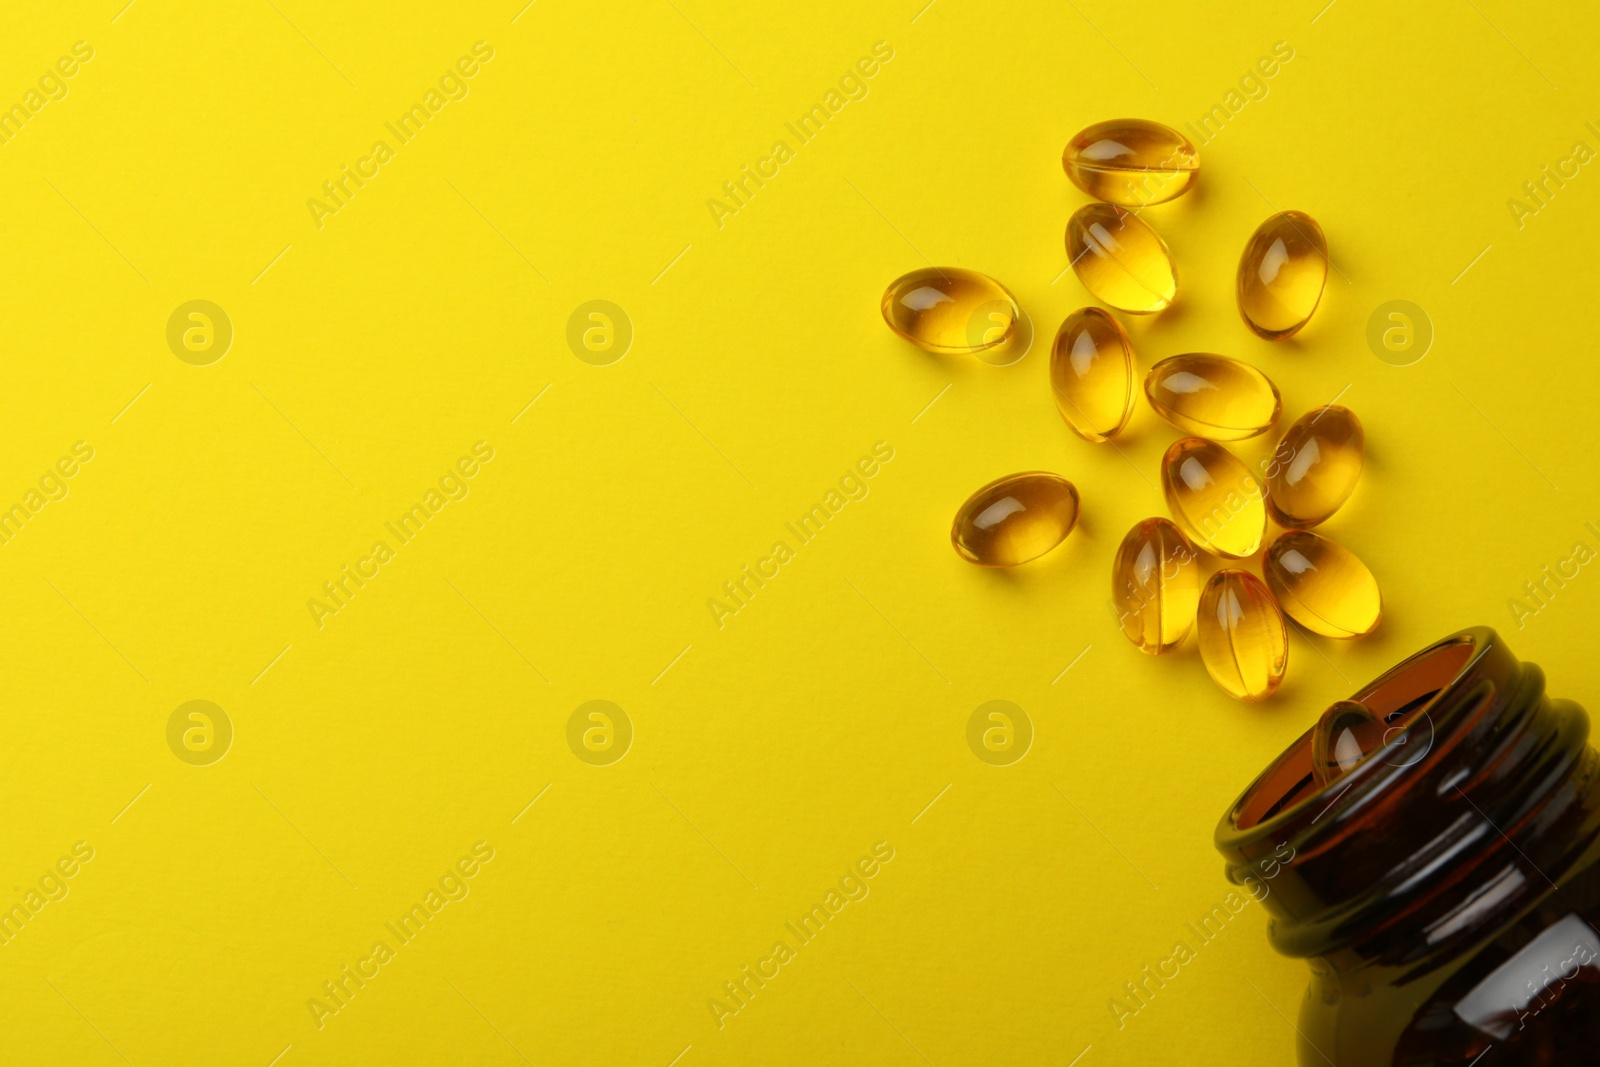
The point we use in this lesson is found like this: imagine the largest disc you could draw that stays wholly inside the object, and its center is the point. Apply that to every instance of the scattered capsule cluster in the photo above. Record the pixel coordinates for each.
(1218, 504)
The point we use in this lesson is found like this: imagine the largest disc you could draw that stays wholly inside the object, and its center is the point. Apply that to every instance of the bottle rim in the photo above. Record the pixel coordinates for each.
(1280, 796)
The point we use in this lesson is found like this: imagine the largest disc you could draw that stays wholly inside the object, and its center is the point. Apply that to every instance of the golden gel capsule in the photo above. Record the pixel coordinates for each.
(1215, 499)
(1014, 519)
(1322, 585)
(1132, 162)
(951, 311)
(1213, 396)
(1155, 586)
(1091, 374)
(1316, 466)
(1281, 274)
(1347, 733)
(1120, 259)
(1243, 640)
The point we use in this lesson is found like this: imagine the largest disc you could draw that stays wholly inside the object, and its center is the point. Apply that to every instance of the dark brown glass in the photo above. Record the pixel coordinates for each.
(1443, 885)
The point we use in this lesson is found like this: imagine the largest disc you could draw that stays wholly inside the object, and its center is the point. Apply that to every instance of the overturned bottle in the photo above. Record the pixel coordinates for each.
(1442, 835)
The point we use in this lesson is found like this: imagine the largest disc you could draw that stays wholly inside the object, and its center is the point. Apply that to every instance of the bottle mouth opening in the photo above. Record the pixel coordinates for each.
(1381, 719)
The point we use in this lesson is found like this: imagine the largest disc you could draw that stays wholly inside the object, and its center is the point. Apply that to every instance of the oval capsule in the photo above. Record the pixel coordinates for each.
(951, 311)
(1214, 498)
(1213, 396)
(1243, 640)
(1015, 519)
(1120, 259)
(1315, 467)
(1092, 375)
(1347, 733)
(1281, 274)
(1132, 162)
(1155, 586)
(1322, 585)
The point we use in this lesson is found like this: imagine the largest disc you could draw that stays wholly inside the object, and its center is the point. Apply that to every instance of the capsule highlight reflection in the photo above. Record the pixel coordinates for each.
(1322, 585)
(1347, 733)
(1132, 162)
(1092, 374)
(1213, 396)
(1316, 466)
(951, 311)
(1282, 274)
(1120, 259)
(1155, 586)
(1214, 497)
(1015, 519)
(1243, 640)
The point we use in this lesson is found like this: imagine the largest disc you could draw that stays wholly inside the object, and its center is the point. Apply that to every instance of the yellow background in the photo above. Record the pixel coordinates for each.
(773, 752)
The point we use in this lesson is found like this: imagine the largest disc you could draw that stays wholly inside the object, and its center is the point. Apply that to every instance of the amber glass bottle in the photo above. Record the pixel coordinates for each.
(1442, 829)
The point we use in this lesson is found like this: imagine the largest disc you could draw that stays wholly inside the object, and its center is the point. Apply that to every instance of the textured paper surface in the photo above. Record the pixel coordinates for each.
(374, 347)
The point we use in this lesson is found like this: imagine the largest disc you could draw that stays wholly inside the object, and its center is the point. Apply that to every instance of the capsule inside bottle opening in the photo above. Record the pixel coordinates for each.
(1120, 259)
(1243, 640)
(1213, 396)
(1015, 519)
(952, 311)
(1132, 162)
(1345, 735)
(1092, 374)
(1322, 585)
(1282, 274)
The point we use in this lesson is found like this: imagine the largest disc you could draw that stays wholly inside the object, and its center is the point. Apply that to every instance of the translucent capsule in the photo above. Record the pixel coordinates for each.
(1344, 736)
(1014, 519)
(951, 311)
(1092, 375)
(1215, 499)
(1315, 467)
(1213, 396)
(1120, 259)
(1132, 162)
(1155, 586)
(1281, 274)
(1243, 640)
(1322, 585)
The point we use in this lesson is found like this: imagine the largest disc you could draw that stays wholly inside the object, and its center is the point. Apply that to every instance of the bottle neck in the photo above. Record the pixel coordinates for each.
(1414, 840)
